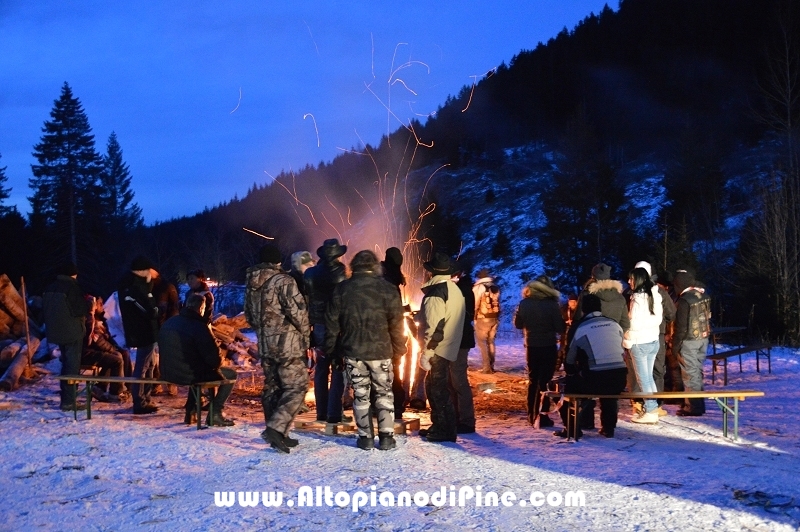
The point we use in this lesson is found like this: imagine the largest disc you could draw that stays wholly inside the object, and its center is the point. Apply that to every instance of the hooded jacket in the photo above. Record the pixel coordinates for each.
(442, 318)
(365, 319)
(276, 310)
(613, 304)
(539, 315)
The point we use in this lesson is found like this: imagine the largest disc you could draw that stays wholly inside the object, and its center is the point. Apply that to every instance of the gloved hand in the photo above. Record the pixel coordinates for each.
(425, 361)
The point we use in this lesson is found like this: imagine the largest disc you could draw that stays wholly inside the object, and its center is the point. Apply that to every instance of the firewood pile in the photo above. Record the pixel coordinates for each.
(241, 350)
(16, 354)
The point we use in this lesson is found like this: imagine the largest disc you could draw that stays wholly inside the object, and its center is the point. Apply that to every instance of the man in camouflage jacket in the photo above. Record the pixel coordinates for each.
(276, 310)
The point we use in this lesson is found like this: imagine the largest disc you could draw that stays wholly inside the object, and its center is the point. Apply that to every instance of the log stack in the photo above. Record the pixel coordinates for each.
(234, 344)
(15, 354)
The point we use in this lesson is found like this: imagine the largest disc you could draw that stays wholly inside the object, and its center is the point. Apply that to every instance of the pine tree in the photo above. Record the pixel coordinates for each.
(65, 182)
(5, 193)
(123, 214)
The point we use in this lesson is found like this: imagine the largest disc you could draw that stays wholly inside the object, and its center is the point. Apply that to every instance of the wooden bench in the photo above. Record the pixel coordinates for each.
(90, 380)
(761, 350)
(720, 397)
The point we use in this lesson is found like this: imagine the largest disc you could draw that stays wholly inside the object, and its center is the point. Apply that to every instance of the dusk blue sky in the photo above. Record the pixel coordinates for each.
(207, 98)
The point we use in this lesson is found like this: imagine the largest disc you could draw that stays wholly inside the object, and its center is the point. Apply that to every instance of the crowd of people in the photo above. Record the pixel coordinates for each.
(350, 328)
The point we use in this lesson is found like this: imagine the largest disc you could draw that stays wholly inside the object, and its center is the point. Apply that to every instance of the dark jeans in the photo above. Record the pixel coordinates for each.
(146, 361)
(70, 365)
(541, 367)
(443, 413)
(222, 394)
(608, 382)
(461, 391)
(328, 399)
(111, 364)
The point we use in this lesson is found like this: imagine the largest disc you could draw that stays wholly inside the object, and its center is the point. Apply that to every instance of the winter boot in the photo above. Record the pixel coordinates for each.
(365, 442)
(275, 440)
(386, 441)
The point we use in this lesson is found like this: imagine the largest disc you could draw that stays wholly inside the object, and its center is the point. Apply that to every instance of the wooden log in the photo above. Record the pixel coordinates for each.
(239, 321)
(45, 352)
(10, 380)
(10, 351)
(10, 301)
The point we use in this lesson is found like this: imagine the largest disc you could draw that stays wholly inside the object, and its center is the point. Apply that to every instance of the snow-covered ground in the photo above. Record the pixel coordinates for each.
(117, 472)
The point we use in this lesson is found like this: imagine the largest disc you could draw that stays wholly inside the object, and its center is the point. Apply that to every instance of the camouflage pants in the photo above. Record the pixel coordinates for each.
(377, 375)
(285, 387)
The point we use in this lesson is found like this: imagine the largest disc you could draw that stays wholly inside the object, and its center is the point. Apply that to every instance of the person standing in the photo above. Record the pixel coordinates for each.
(460, 389)
(540, 316)
(487, 317)
(442, 325)
(646, 315)
(690, 340)
(320, 282)
(613, 305)
(364, 323)
(188, 354)
(392, 273)
(64, 309)
(276, 310)
(140, 321)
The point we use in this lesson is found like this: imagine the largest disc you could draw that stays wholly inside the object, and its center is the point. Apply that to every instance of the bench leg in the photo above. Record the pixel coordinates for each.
(725, 368)
(75, 403)
(196, 392)
(713, 370)
(735, 419)
(89, 386)
(758, 368)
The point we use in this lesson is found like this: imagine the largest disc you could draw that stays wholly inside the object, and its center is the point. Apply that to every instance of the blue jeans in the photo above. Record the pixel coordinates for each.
(329, 400)
(644, 356)
(146, 362)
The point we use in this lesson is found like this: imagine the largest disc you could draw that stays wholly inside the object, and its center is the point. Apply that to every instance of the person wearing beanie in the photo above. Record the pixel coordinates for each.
(364, 325)
(140, 314)
(320, 282)
(690, 339)
(391, 272)
(276, 310)
(487, 317)
(64, 309)
(196, 279)
(613, 305)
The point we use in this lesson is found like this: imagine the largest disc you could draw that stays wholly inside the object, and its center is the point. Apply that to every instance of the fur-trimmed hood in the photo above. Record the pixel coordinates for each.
(539, 290)
(607, 284)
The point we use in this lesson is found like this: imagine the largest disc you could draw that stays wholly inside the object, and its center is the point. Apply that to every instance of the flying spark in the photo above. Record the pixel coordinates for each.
(315, 125)
(239, 102)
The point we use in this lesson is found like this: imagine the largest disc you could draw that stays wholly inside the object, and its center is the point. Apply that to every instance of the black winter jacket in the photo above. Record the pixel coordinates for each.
(320, 281)
(139, 310)
(187, 350)
(613, 303)
(540, 316)
(365, 319)
(64, 309)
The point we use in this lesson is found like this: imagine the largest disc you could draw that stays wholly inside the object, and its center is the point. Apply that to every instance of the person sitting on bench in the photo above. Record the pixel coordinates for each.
(190, 355)
(594, 364)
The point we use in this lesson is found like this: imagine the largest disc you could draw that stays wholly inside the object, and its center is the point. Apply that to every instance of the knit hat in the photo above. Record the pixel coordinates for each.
(601, 272)
(270, 254)
(301, 258)
(141, 263)
(646, 266)
(393, 256)
(441, 264)
(682, 281)
(200, 274)
(331, 249)
(68, 269)
(483, 272)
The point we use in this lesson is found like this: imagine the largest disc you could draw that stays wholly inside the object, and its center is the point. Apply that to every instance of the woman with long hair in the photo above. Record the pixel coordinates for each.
(645, 312)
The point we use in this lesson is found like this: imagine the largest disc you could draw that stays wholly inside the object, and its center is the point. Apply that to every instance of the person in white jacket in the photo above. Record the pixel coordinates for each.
(645, 313)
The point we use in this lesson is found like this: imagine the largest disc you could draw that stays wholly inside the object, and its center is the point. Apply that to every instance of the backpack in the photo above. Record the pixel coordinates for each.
(489, 305)
(699, 318)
